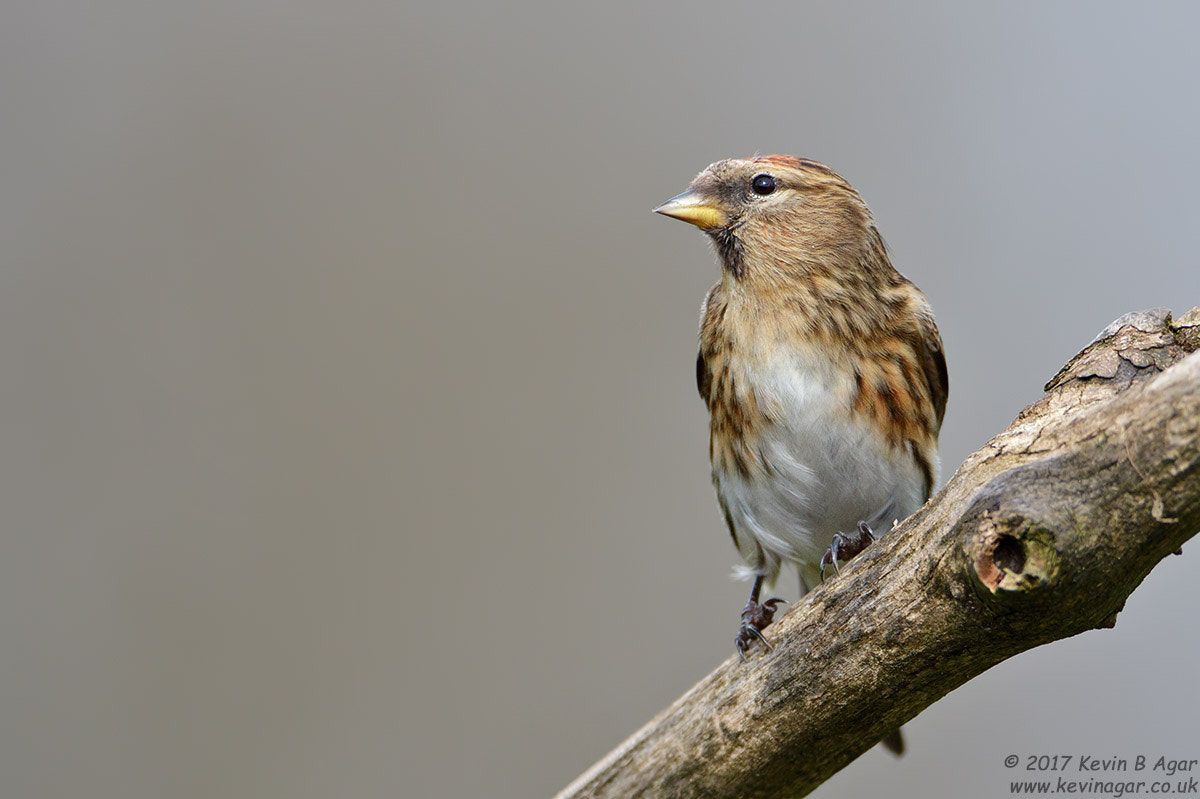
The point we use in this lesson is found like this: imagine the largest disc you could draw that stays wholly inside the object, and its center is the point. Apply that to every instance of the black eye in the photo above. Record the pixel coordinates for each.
(763, 184)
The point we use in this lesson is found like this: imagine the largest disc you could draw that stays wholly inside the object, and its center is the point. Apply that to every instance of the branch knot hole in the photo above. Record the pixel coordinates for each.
(1008, 554)
(1015, 557)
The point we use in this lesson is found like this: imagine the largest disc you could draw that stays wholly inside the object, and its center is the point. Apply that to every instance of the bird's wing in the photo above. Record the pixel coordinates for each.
(933, 361)
(703, 373)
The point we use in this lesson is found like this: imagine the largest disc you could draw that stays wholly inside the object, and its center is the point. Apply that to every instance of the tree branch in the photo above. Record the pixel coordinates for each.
(1040, 535)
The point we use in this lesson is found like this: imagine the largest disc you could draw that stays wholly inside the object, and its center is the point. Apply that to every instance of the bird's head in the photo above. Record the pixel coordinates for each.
(778, 214)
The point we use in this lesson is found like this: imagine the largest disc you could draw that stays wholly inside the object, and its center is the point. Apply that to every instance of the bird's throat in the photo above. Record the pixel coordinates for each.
(730, 251)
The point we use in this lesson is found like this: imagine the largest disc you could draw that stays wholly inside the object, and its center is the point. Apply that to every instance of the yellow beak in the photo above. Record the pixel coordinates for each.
(693, 207)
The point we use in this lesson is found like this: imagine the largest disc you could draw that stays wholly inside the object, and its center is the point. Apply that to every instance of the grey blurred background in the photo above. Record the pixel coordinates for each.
(350, 439)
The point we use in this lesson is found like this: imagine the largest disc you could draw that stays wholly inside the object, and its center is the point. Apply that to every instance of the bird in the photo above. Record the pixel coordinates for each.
(822, 370)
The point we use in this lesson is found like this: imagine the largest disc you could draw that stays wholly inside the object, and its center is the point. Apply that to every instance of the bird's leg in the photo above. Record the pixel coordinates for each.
(755, 618)
(844, 547)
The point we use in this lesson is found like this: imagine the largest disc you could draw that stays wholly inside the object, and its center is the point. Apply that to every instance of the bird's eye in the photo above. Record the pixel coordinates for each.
(763, 185)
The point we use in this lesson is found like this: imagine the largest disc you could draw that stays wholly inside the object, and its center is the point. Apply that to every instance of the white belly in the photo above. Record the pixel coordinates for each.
(827, 470)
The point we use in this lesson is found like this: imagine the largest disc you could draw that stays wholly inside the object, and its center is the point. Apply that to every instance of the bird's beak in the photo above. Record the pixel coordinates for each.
(693, 207)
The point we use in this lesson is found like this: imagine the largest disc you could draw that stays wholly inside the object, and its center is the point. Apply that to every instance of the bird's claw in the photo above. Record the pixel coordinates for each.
(843, 547)
(755, 618)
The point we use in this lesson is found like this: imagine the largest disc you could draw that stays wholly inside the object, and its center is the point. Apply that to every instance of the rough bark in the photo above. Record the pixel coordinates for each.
(1040, 535)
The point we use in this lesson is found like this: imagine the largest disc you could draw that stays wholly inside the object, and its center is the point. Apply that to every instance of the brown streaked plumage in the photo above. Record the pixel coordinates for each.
(820, 364)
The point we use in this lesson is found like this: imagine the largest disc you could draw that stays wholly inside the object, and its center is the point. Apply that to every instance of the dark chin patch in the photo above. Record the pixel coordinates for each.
(730, 251)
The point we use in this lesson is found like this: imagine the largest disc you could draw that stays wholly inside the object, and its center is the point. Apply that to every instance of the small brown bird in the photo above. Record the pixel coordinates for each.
(821, 367)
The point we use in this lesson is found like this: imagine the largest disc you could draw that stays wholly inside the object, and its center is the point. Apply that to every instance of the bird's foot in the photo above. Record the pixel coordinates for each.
(846, 546)
(755, 618)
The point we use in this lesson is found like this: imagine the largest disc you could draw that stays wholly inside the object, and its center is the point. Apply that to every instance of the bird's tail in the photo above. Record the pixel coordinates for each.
(894, 742)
